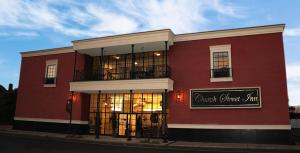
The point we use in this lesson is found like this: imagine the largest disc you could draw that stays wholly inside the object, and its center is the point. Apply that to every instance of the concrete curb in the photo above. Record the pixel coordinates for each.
(170, 145)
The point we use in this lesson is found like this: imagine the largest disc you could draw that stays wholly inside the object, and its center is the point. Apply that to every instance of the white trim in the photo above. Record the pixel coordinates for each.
(146, 85)
(49, 85)
(51, 62)
(125, 39)
(225, 79)
(220, 48)
(222, 126)
(230, 33)
(48, 52)
(50, 120)
(195, 108)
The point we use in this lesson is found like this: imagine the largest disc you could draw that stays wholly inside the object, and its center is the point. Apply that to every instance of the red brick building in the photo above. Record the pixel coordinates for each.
(219, 86)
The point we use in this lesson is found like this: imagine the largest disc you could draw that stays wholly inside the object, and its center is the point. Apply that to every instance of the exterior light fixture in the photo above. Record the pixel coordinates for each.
(157, 54)
(179, 96)
(135, 63)
(117, 57)
(72, 97)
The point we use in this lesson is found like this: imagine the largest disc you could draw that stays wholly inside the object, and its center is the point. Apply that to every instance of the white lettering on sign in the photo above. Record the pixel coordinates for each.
(227, 98)
(248, 97)
(251, 98)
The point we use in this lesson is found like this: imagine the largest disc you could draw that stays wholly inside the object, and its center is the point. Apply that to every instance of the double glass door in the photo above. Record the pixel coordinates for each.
(121, 127)
(123, 121)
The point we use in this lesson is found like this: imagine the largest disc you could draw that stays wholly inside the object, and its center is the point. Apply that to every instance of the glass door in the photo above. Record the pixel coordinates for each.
(123, 122)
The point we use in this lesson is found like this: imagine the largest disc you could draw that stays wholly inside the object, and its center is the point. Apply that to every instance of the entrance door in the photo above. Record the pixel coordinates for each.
(122, 124)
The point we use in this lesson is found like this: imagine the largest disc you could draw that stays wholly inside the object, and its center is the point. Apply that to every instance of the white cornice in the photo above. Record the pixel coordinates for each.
(48, 51)
(230, 33)
(126, 39)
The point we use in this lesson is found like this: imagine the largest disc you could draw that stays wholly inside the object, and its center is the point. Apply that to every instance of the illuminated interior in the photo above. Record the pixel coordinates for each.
(143, 106)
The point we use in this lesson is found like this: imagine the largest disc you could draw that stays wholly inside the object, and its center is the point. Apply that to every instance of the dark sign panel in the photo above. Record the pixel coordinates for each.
(240, 97)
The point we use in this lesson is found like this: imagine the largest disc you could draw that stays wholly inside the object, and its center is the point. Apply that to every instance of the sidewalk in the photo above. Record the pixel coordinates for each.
(155, 143)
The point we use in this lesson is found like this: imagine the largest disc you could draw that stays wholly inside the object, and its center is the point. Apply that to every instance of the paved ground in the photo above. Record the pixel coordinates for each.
(22, 144)
(14, 141)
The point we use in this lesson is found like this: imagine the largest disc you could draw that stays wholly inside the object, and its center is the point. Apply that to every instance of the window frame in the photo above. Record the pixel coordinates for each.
(49, 63)
(220, 48)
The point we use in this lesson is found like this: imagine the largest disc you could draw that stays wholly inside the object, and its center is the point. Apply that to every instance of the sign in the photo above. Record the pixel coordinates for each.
(239, 97)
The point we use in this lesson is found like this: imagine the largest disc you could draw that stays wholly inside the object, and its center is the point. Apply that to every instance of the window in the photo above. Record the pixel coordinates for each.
(150, 64)
(220, 57)
(50, 73)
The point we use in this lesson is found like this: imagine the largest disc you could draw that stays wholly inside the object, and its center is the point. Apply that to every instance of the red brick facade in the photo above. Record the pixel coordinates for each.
(257, 61)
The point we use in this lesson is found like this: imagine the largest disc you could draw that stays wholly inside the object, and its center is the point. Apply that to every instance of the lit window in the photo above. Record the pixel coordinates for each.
(220, 57)
(51, 72)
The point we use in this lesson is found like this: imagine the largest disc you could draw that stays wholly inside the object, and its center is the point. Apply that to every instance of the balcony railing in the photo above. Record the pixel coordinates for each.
(221, 72)
(156, 71)
(51, 80)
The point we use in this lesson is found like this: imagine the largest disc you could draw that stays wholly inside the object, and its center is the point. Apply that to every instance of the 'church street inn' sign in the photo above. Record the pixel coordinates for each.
(227, 98)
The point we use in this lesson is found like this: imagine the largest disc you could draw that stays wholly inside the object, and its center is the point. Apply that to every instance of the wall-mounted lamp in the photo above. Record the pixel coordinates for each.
(73, 97)
(179, 96)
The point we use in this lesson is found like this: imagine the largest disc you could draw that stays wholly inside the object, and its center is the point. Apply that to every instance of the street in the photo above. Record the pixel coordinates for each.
(27, 144)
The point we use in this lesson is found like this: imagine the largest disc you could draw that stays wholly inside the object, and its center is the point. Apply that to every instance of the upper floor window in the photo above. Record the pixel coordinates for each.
(220, 59)
(140, 65)
(51, 72)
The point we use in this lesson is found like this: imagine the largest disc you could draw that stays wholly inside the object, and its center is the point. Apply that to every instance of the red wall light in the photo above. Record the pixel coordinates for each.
(179, 96)
(73, 97)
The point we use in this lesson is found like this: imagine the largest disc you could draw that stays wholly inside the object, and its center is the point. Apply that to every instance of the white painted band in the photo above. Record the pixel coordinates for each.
(220, 126)
(147, 85)
(50, 120)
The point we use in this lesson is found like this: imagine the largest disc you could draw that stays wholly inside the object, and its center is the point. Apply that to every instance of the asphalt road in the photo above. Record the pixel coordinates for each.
(26, 144)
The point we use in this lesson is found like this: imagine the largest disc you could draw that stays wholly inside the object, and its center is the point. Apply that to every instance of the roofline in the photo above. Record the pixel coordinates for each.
(177, 37)
(254, 30)
(121, 35)
(46, 51)
(243, 28)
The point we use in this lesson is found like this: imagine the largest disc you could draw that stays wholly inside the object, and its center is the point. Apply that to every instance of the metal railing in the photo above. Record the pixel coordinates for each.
(51, 80)
(156, 71)
(221, 72)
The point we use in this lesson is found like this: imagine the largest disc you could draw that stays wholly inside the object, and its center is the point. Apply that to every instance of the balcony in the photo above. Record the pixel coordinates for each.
(123, 63)
(50, 80)
(124, 73)
(221, 75)
(221, 72)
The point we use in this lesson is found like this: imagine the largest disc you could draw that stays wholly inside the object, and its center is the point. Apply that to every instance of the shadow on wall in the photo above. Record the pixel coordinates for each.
(7, 104)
